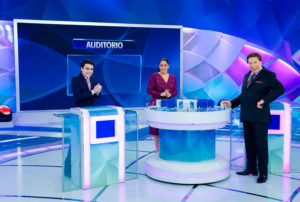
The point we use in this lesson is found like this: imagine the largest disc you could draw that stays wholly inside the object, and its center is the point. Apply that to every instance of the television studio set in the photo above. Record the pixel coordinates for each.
(149, 100)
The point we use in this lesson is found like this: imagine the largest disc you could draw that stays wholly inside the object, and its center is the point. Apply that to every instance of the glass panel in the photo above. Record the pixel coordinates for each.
(275, 145)
(295, 144)
(237, 144)
(131, 144)
(71, 169)
(222, 145)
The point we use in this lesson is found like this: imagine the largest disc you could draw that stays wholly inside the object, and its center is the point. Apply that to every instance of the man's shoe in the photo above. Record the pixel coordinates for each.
(262, 178)
(247, 172)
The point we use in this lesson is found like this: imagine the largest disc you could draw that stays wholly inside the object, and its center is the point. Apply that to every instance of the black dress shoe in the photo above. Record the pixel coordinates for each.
(247, 172)
(262, 178)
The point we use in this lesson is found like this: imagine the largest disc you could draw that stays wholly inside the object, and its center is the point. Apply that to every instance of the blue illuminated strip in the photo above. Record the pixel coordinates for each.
(294, 194)
(103, 44)
(101, 192)
(186, 124)
(41, 166)
(185, 198)
(14, 155)
(139, 159)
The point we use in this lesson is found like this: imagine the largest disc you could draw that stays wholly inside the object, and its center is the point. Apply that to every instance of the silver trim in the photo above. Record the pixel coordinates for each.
(16, 66)
(181, 62)
(96, 24)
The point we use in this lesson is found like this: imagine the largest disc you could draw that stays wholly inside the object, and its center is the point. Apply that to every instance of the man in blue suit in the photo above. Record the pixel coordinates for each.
(260, 88)
(85, 88)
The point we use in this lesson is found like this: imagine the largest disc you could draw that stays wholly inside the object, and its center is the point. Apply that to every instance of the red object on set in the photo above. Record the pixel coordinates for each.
(5, 113)
(5, 110)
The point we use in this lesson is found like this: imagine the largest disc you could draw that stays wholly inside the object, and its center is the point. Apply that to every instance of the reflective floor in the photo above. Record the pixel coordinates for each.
(31, 170)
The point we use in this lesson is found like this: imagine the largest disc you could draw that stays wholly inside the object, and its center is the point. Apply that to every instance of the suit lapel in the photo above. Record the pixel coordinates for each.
(83, 82)
(92, 82)
(260, 75)
(245, 81)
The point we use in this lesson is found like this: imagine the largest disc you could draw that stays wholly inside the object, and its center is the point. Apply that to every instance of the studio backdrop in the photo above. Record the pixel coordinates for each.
(49, 53)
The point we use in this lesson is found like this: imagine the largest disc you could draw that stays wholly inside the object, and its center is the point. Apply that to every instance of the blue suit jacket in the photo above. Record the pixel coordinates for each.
(264, 86)
(83, 97)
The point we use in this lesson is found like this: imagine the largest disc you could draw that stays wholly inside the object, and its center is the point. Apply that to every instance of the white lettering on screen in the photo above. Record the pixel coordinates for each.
(104, 44)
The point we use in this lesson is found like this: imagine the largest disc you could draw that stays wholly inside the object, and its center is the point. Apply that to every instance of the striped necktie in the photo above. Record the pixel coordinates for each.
(250, 80)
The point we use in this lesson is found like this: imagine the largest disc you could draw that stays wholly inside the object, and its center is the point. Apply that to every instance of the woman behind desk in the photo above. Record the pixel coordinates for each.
(161, 86)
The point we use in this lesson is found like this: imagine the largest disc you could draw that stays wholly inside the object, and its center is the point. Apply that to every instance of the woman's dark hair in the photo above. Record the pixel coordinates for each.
(163, 59)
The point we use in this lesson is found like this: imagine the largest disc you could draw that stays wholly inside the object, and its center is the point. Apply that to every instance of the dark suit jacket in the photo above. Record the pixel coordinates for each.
(83, 97)
(264, 86)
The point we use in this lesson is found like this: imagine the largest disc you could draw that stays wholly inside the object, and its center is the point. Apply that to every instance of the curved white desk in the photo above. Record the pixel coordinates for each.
(187, 146)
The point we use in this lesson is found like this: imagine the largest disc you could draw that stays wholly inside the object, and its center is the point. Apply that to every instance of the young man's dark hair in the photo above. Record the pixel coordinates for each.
(87, 61)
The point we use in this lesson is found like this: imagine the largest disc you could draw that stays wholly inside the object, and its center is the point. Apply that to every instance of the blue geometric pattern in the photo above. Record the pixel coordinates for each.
(187, 146)
(271, 24)
(104, 164)
(7, 66)
(204, 71)
(268, 23)
(215, 64)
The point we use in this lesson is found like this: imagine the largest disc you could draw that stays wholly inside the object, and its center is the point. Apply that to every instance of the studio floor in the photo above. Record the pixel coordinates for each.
(31, 170)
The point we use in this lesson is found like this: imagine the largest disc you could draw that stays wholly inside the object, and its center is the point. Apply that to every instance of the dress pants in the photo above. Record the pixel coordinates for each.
(256, 143)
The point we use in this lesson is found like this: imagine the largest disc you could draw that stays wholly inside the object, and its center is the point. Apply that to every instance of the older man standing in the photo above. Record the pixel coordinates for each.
(260, 88)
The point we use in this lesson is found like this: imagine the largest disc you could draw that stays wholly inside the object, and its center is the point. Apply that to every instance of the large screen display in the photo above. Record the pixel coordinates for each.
(49, 53)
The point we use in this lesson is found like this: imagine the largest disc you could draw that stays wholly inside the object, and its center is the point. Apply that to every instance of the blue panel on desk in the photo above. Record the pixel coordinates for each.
(105, 129)
(275, 122)
(187, 146)
(277, 106)
(104, 164)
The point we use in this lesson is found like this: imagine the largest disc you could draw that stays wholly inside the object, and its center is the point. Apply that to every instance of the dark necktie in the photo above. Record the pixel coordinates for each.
(250, 80)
